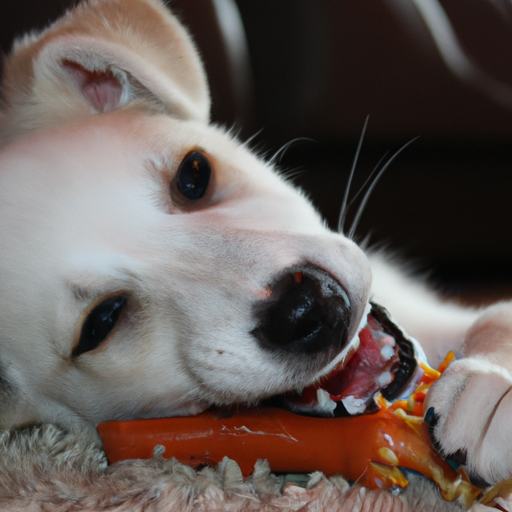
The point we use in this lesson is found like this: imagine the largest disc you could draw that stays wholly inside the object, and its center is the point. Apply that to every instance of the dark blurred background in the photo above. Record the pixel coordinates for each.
(312, 70)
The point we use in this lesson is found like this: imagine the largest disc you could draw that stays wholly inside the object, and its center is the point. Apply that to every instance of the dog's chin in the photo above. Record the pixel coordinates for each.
(191, 408)
(293, 373)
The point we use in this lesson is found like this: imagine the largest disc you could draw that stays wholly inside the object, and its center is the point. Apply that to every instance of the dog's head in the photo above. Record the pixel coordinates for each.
(149, 263)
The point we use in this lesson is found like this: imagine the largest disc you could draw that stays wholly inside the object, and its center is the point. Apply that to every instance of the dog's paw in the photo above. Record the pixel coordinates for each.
(469, 411)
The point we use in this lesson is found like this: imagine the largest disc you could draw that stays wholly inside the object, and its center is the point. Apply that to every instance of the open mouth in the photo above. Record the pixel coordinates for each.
(385, 364)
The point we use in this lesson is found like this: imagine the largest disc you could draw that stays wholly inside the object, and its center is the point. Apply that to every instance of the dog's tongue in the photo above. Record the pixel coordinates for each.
(368, 370)
(350, 388)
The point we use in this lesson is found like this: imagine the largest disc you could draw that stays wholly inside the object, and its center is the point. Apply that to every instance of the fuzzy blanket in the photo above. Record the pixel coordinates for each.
(47, 468)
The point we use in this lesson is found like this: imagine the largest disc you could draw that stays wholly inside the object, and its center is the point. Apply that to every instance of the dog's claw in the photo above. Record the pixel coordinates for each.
(458, 458)
(431, 419)
(478, 481)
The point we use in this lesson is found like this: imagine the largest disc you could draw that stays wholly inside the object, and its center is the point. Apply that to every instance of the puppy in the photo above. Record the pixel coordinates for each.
(151, 265)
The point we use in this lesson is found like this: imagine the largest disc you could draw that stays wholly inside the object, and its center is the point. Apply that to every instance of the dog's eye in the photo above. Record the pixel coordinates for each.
(99, 323)
(193, 175)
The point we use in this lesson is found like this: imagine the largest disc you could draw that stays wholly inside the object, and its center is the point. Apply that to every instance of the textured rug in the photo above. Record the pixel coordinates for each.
(50, 469)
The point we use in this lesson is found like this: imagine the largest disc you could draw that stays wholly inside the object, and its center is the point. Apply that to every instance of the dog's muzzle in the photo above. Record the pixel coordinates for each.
(307, 312)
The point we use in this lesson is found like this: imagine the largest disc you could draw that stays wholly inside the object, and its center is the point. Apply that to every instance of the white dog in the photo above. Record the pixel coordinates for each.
(149, 262)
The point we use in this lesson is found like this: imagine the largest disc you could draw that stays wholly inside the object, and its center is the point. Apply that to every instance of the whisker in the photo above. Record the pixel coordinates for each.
(375, 169)
(344, 207)
(282, 150)
(292, 174)
(252, 137)
(368, 193)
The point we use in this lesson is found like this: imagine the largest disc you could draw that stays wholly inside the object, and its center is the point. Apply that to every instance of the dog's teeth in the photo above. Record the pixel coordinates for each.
(387, 352)
(384, 379)
(354, 405)
(325, 404)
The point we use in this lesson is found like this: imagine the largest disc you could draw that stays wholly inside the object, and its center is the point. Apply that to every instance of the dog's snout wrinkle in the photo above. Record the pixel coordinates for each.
(308, 312)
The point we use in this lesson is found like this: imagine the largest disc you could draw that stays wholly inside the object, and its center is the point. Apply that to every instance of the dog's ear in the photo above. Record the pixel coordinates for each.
(101, 56)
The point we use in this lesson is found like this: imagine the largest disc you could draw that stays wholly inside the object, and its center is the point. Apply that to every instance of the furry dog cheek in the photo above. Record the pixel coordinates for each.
(138, 372)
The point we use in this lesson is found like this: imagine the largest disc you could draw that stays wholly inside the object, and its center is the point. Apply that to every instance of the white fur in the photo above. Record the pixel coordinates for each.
(86, 211)
(106, 224)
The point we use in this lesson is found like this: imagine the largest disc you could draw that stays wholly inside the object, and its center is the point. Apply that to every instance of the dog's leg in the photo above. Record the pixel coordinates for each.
(472, 402)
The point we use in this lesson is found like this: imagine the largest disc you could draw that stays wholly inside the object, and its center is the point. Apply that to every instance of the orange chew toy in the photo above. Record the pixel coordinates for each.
(362, 448)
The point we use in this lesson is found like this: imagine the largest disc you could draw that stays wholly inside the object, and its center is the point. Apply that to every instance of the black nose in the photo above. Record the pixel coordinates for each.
(308, 312)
